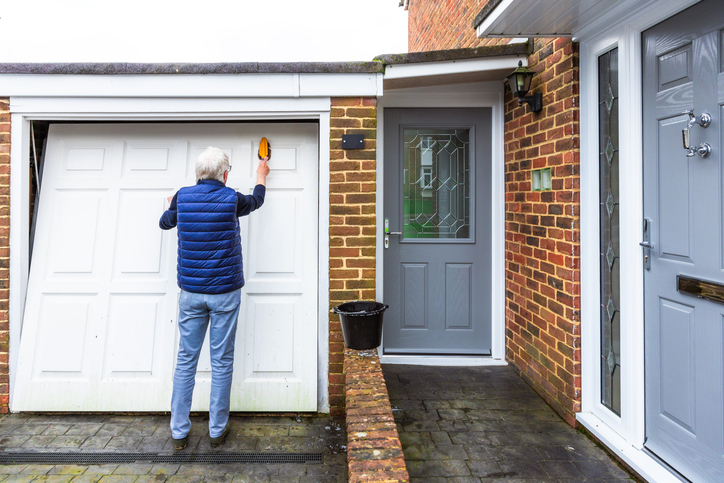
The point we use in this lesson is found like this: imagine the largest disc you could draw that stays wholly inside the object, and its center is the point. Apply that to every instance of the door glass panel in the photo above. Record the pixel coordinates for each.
(436, 183)
(609, 231)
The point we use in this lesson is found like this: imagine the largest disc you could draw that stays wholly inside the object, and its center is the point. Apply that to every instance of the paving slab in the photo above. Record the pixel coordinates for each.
(485, 424)
(94, 433)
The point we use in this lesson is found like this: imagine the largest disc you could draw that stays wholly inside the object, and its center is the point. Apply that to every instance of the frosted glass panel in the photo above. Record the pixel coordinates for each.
(609, 226)
(436, 183)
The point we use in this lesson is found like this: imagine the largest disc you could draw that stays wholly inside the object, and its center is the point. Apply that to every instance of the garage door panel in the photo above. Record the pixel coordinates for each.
(131, 344)
(273, 340)
(100, 326)
(86, 159)
(277, 233)
(240, 155)
(285, 159)
(75, 231)
(62, 335)
(139, 246)
(145, 160)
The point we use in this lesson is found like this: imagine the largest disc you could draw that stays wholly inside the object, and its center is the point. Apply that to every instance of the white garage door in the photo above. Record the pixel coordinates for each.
(99, 331)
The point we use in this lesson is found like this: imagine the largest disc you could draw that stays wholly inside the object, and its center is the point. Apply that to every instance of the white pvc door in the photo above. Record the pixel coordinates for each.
(99, 330)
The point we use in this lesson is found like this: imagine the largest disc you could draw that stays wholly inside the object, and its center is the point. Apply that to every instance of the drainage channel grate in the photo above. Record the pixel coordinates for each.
(198, 458)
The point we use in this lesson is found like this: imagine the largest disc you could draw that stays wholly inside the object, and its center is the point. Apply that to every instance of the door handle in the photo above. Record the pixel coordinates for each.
(646, 244)
(388, 233)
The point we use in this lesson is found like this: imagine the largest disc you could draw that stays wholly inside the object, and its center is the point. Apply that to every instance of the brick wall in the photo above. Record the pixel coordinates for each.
(374, 452)
(351, 223)
(438, 25)
(542, 230)
(4, 250)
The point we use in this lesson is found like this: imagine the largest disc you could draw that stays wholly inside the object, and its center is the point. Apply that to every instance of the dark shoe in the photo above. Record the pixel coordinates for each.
(180, 443)
(219, 440)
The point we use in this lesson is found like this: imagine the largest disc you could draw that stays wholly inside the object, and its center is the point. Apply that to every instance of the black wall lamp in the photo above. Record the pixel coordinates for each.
(519, 81)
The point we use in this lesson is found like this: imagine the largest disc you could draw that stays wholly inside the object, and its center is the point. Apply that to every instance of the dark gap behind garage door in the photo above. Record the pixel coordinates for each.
(37, 146)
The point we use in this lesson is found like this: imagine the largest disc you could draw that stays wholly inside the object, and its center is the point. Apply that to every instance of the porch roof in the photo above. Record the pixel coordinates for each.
(455, 66)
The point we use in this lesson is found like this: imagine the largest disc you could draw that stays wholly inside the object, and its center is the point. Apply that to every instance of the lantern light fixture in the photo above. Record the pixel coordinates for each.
(519, 81)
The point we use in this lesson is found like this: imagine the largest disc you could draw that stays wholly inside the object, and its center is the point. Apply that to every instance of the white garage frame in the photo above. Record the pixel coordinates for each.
(76, 109)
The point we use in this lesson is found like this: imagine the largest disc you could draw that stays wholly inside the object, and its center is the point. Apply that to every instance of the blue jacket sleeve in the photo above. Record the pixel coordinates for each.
(168, 219)
(247, 203)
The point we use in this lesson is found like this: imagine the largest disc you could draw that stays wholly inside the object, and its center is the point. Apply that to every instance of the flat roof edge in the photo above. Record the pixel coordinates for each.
(124, 68)
(454, 54)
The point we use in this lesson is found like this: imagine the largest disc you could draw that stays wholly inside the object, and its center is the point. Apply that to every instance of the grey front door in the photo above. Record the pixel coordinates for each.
(683, 70)
(437, 197)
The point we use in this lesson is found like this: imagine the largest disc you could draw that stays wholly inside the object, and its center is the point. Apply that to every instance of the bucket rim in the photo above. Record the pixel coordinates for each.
(379, 309)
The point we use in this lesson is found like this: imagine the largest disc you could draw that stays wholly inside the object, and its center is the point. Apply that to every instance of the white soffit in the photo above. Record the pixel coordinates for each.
(556, 18)
(422, 74)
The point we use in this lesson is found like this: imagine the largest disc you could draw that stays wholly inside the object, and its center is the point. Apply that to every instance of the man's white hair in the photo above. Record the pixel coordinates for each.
(212, 164)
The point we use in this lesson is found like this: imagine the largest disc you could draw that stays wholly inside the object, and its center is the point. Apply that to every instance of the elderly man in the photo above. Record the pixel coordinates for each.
(210, 275)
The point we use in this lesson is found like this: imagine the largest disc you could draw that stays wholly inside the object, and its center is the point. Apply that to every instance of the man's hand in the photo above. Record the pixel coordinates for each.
(262, 171)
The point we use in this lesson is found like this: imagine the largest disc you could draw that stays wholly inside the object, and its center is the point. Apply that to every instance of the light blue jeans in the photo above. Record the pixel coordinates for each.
(196, 311)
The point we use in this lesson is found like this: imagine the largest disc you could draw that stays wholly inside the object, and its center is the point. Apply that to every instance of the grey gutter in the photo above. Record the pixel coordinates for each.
(454, 54)
(122, 68)
(485, 12)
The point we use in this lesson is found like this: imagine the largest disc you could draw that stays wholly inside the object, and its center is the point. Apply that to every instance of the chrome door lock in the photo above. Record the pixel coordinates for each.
(646, 244)
(388, 233)
(704, 149)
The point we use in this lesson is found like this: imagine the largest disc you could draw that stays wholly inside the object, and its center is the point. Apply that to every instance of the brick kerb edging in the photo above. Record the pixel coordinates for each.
(374, 452)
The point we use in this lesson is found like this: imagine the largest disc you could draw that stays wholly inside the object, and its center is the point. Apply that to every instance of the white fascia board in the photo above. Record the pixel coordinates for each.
(117, 108)
(311, 85)
(182, 86)
(429, 69)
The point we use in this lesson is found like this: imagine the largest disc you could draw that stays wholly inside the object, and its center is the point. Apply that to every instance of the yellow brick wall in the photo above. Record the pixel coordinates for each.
(351, 223)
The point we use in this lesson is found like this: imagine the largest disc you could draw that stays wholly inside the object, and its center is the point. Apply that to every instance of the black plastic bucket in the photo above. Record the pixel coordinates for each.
(361, 323)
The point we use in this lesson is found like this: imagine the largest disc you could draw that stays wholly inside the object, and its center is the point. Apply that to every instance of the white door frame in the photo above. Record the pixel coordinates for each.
(623, 435)
(481, 94)
(25, 109)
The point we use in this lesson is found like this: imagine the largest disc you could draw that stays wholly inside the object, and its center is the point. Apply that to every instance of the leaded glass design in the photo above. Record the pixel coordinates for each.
(609, 229)
(436, 183)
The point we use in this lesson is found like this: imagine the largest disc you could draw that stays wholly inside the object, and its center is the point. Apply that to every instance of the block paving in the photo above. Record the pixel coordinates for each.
(475, 424)
(151, 434)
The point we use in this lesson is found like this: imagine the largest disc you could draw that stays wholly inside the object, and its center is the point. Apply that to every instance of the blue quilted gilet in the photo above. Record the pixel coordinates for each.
(209, 241)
